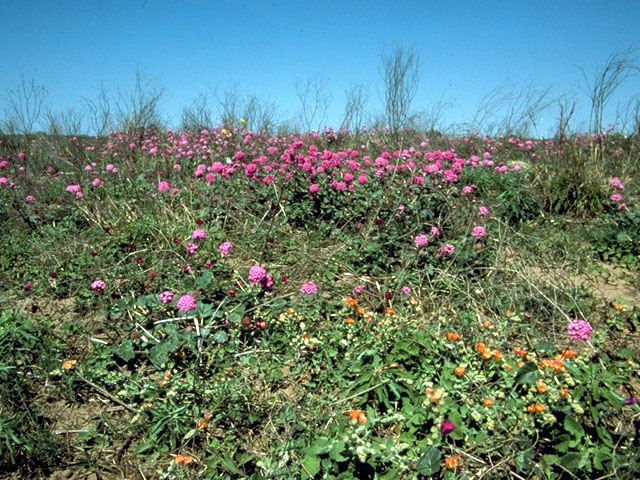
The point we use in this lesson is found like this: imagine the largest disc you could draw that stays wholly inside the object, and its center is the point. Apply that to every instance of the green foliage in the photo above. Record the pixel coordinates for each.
(260, 380)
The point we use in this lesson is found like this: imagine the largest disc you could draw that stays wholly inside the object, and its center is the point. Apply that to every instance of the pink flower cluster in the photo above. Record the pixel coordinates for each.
(478, 231)
(257, 274)
(309, 288)
(421, 240)
(199, 234)
(186, 303)
(166, 297)
(98, 285)
(579, 330)
(225, 247)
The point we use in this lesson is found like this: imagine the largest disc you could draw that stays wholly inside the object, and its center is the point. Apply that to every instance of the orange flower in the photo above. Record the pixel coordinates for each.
(389, 311)
(291, 310)
(481, 347)
(352, 302)
(453, 336)
(536, 408)
(452, 462)
(208, 416)
(542, 388)
(520, 351)
(184, 459)
(68, 364)
(508, 366)
(360, 310)
(617, 306)
(486, 354)
(357, 416)
(202, 424)
(564, 392)
(349, 320)
(568, 353)
(486, 324)
(413, 301)
(488, 402)
(459, 371)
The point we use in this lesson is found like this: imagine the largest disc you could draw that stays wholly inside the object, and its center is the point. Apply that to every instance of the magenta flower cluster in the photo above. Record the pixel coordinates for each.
(579, 330)
(309, 288)
(98, 285)
(186, 303)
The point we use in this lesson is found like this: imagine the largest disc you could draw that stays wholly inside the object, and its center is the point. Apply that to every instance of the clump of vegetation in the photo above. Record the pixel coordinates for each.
(239, 305)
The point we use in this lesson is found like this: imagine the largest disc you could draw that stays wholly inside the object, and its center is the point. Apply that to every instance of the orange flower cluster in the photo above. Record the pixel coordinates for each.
(184, 459)
(540, 386)
(452, 462)
(488, 402)
(434, 395)
(352, 302)
(68, 364)
(357, 416)
(487, 354)
(453, 336)
(202, 424)
(536, 408)
(459, 371)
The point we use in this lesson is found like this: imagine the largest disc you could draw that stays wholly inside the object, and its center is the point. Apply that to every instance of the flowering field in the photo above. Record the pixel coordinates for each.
(228, 304)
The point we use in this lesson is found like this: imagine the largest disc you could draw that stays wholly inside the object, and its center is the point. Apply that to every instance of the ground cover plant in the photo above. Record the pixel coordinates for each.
(224, 303)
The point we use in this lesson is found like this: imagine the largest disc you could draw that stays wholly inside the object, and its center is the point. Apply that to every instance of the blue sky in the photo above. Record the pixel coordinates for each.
(189, 47)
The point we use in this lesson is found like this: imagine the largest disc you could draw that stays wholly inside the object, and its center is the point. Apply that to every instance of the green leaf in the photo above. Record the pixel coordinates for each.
(429, 463)
(573, 426)
(311, 466)
(126, 352)
(220, 336)
(545, 346)
(336, 452)
(528, 373)
(571, 461)
(204, 280)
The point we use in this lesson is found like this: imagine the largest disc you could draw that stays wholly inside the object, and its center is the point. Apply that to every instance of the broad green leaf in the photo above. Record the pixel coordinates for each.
(311, 466)
(429, 463)
(126, 352)
(528, 373)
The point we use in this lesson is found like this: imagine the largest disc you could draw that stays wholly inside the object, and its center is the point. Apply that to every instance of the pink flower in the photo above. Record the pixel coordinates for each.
(166, 296)
(225, 247)
(615, 182)
(478, 231)
(73, 188)
(186, 303)
(421, 240)
(615, 197)
(30, 199)
(447, 426)
(27, 286)
(199, 234)
(96, 182)
(163, 186)
(314, 188)
(406, 290)
(174, 191)
(191, 248)
(309, 288)
(358, 289)
(257, 274)
(447, 249)
(98, 285)
(579, 330)
(484, 211)
(435, 231)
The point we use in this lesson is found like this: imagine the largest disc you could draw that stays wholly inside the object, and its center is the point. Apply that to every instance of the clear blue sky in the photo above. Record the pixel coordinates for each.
(188, 47)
